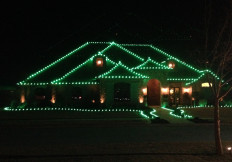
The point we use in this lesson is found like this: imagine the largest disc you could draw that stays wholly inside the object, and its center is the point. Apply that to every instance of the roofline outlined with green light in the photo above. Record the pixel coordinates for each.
(135, 74)
(55, 62)
(164, 53)
(142, 66)
(79, 66)
(122, 47)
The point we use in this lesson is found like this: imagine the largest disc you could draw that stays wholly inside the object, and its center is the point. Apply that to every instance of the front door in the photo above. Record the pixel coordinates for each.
(153, 92)
(174, 94)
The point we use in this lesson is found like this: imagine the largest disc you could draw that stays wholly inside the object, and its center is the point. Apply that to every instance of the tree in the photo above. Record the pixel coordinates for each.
(218, 57)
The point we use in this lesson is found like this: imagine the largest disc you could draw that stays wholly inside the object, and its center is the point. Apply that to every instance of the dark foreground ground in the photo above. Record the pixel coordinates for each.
(109, 140)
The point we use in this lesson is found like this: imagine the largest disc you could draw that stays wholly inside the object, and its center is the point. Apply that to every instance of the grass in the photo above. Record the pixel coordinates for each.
(140, 151)
(189, 152)
(67, 115)
(208, 114)
(159, 121)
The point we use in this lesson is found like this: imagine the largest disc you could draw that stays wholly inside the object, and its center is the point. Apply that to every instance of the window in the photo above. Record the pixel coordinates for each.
(40, 94)
(42, 97)
(122, 92)
(99, 62)
(76, 94)
(206, 84)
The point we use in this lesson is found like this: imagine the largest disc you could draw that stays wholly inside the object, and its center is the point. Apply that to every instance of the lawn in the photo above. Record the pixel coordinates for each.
(208, 113)
(152, 151)
(111, 151)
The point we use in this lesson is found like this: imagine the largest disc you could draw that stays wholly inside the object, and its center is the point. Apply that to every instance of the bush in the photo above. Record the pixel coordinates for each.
(177, 112)
(14, 104)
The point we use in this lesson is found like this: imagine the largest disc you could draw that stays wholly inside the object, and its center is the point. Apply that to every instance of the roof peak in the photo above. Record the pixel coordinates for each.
(122, 44)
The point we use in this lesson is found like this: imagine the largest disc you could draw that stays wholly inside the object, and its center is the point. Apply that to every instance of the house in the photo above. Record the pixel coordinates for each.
(107, 73)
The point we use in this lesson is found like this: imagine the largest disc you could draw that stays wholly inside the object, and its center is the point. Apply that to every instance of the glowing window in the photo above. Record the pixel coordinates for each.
(99, 62)
(171, 91)
(171, 65)
(206, 84)
(141, 99)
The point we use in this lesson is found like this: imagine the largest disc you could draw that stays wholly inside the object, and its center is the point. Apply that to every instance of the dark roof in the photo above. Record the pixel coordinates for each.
(121, 71)
(77, 66)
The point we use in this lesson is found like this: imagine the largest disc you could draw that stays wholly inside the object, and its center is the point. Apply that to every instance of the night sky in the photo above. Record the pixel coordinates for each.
(33, 35)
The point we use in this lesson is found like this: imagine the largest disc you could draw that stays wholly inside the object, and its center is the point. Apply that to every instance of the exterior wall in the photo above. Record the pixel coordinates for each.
(109, 92)
(62, 95)
(135, 92)
(9, 96)
(105, 92)
(202, 95)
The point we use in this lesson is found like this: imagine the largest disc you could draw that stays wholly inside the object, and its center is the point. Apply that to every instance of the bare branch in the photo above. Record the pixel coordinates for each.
(210, 81)
(225, 93)
(226, 82)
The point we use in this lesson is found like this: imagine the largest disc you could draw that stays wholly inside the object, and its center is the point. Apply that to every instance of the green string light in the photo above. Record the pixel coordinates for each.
(149, 60)
(193, 81)
(55, 62)
(142, 45)
(128, 51)
(99, 42)
(32, 84)
(76, 83)
(144, 115)
(203, 106)
(171, 57)
(134, 74)
(81, 65)
(143, 66)
(177, 116)
(141, 112)
(152, 113)
(181, 79)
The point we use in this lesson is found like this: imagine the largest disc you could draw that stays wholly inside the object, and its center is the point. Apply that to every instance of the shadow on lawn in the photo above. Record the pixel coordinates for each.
(159, 121)
(198, 120)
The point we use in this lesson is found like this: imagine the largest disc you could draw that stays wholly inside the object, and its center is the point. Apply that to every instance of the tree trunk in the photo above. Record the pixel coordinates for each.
(218, 142)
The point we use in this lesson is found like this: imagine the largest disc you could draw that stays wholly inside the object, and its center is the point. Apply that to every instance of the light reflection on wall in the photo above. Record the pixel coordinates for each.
(164, 91)
(102, 99)
(22, 98)
(141, 99)
(53, 100)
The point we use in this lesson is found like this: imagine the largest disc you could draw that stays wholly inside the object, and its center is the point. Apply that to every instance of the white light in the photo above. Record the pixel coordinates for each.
(229, 148)
(99, 62)
(144, 91)
(186, 90)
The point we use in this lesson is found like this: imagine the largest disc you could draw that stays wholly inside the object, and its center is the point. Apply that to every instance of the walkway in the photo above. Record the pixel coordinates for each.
(164, 114)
